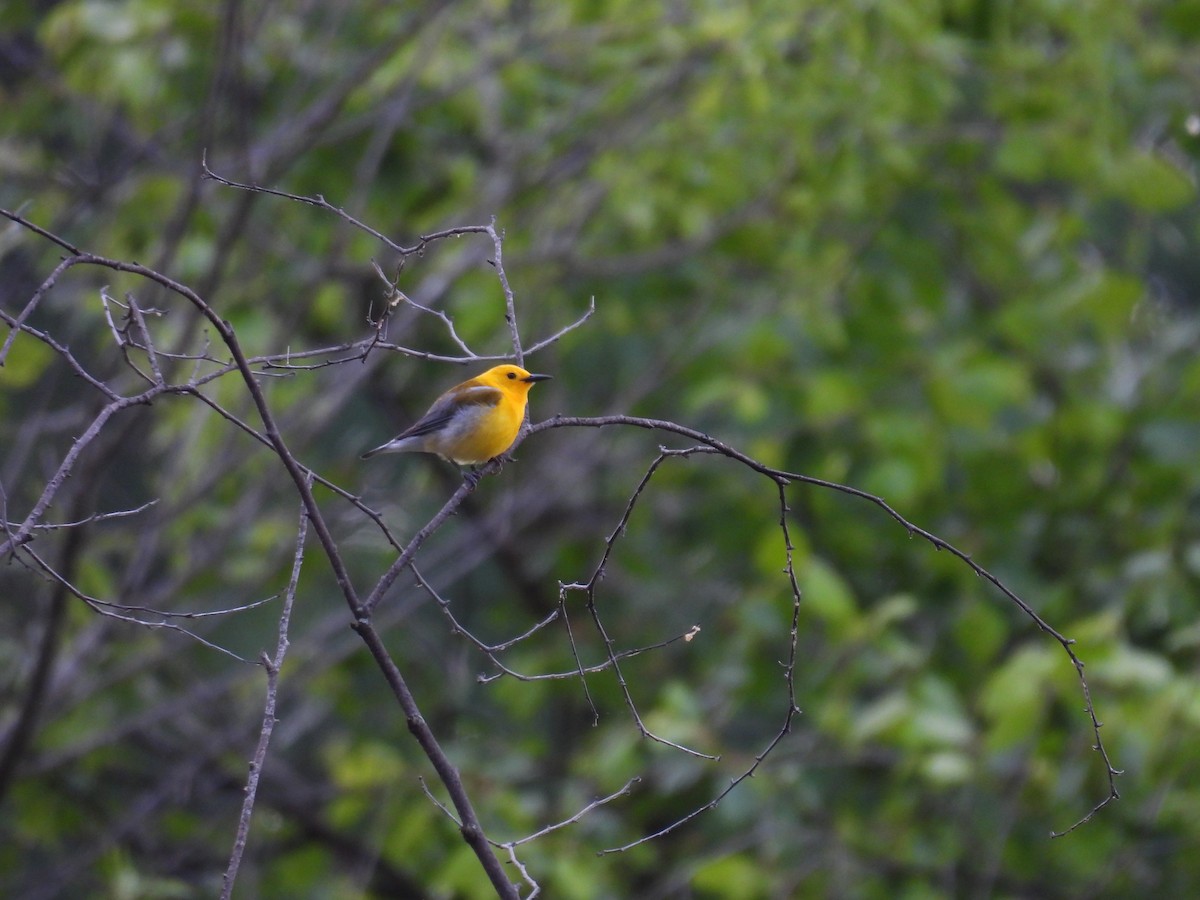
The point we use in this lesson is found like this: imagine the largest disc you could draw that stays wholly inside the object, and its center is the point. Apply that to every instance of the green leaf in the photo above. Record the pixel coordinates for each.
(1015, 698)
(826, 594)
(26, 361)
(737, 877)
(1151, 183)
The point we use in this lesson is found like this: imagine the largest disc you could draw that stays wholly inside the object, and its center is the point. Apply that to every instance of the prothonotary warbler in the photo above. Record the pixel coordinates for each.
(472, 422)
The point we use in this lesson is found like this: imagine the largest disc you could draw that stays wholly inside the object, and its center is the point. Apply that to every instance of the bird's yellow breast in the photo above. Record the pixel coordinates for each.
(478, 433)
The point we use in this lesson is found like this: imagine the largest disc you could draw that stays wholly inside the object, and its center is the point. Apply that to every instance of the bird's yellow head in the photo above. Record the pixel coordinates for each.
(510, 379)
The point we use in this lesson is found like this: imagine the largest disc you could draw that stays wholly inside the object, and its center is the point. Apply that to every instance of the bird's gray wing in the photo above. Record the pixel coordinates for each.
(446, 406)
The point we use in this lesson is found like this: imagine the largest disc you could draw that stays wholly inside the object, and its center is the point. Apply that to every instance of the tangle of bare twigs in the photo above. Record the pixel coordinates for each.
(187, 376)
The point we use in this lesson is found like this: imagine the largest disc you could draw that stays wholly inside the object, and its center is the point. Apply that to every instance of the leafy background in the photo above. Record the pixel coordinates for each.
(942, 251)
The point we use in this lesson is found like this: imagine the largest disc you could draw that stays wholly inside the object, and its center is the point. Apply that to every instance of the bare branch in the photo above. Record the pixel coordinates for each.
(63, 352)
(272, 665)
(65, 467)
(34, 299)
(599, 801)
(109, 609)
(588, 588)
(118, 335)
(37, 229)
(783, 478)
(321, 203)
(97, 517)
(151, 354)
(510, 304)
(406, 556)
(471, 829)
(395, 297)
(567, 329)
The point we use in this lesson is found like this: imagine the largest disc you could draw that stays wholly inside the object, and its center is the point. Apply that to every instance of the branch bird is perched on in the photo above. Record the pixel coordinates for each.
(472, 422)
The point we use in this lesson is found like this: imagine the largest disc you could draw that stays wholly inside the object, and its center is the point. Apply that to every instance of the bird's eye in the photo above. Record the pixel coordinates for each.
(512, 375)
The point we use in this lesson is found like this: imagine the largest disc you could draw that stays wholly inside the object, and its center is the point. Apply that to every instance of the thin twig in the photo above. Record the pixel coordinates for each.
(599, 801)
(589, 590)
(321, 203)
(272, 665)
(566, 329)
(34, 299)
(510, 304)
(151, 353)
(64, 352)
(449, 508)
(109, 610)
(96, 517)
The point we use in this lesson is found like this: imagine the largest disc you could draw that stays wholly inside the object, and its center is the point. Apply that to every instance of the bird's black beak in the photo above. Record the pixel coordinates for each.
(532, 378)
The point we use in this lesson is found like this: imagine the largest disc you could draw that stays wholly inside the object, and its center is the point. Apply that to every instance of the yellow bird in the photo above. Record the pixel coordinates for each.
(472, 422)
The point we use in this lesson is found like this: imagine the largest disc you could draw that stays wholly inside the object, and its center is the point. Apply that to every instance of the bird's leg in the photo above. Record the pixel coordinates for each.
(472, 475)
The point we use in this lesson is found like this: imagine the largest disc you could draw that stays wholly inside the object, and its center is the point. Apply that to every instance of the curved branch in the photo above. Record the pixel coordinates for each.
(783, 478)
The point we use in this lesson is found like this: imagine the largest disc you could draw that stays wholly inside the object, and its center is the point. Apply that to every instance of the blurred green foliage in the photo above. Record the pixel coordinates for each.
(945, 252)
